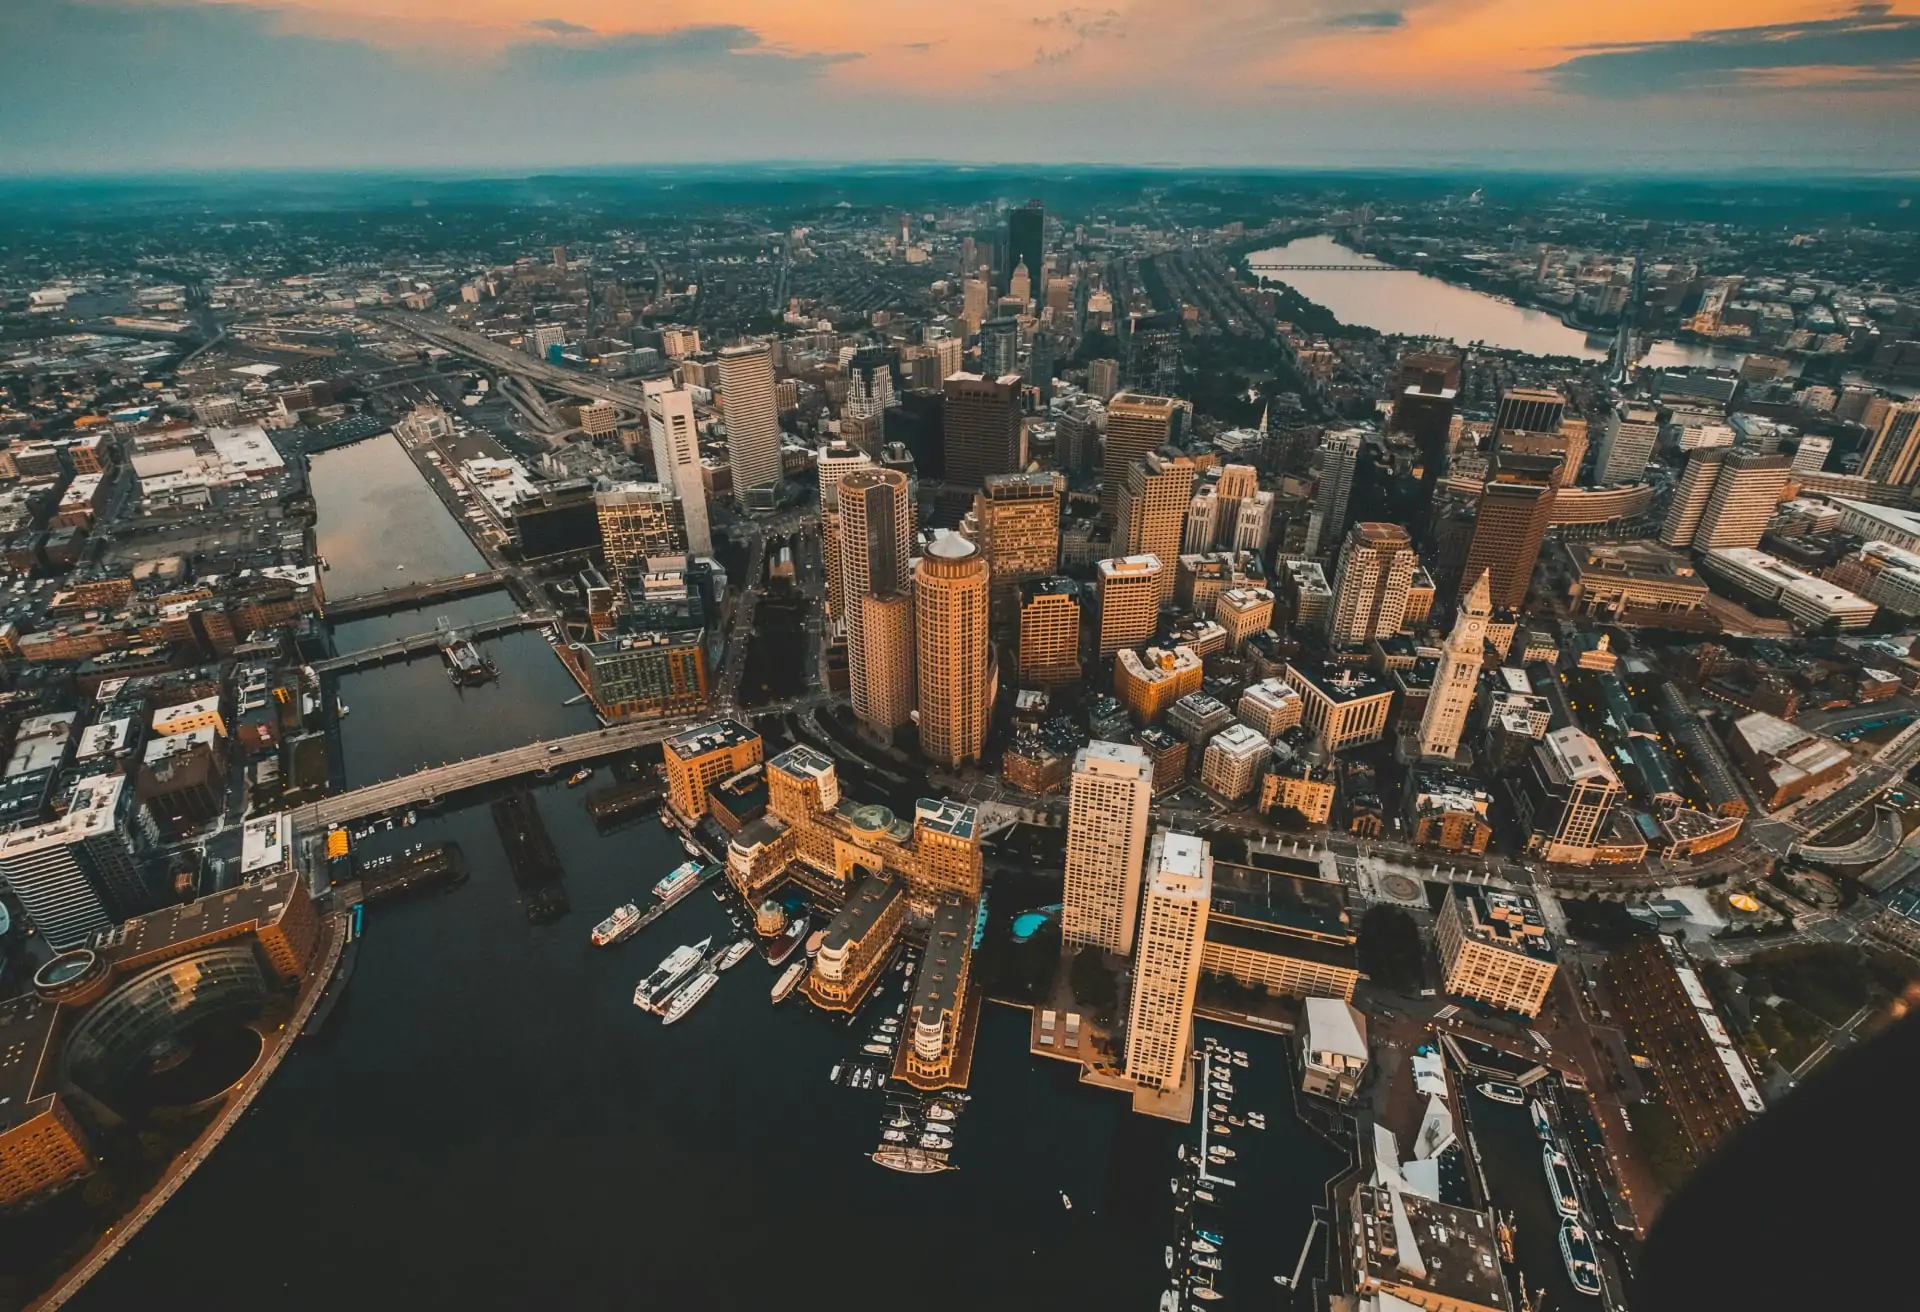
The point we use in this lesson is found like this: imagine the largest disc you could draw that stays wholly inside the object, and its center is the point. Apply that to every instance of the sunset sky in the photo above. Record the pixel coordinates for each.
(91, 85)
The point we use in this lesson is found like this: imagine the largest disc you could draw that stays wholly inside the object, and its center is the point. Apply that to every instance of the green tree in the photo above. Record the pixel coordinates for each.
(1392, 952)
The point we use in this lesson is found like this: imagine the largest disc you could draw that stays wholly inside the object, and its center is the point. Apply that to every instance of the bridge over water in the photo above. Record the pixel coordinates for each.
(419, 642)
(1324, 268)
(410, 595)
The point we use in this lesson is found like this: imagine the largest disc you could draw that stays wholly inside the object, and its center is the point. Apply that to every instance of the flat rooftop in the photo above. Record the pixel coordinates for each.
(1280, 901)
(27, 1056)
(861, 912)
(1504, 919)
(250, 905)
(945, 816)
(717, 736)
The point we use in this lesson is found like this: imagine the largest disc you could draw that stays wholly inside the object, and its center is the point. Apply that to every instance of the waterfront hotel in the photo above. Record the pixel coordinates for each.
(855, 949)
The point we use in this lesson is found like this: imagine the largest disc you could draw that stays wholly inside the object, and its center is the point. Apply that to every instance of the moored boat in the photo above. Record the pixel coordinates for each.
(913, 1161)
(1576, 1249)
(1541, 1125)
(938, 1112)
(686, 999)
(1500, 1091)
(678, 881)
(621, 925)
(790, 938)
(679, 963)
(579, 777)
(1560, 1181)
(814, 940)
(736, 953)
(789, 979)
(877, 1049)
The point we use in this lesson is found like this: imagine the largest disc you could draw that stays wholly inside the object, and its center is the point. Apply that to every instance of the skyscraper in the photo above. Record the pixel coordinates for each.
(1690, 496)
(638, 520)
(76, 875)
(1016, 522)
(1049, 632)
(876, 538)
(1626, 445)
(676, 457)
(1136, 426)
(1000, 347)
(974, 304)
(1166, 970)
(1107, 808)
(956, 681)
(1103, 378)
(984, 434)
(1459, 674)
(1339, 457)
(753, 423)
(1745, 494)
(1529, 409)
(1129, 601)
(1893, 456)
(1516, 503)
(1026, 240)
(1151, 508)
(1040, 365)
(1370, 586)
(873, 381)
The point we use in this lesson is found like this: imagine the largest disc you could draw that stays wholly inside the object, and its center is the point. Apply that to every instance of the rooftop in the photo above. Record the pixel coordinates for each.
(170, 928)
(27, 1054)
(946, 816)
(719, 735)
(1338, 683)
(861, 912)
(1578, 757)
(1504, 919)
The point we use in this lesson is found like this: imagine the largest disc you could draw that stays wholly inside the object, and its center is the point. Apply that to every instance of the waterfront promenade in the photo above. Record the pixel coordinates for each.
(183, 1167)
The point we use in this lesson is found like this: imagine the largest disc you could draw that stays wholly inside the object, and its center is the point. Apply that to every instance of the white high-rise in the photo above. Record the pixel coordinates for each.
(1166, 970)
(1371, 584)
(1339, 457)
(1459, 674)
(1626, 445)
(753, 422)
(676, 457)
(1107, 805)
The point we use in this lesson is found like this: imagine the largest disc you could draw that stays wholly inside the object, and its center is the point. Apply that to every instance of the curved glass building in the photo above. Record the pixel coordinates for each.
(115, 1040)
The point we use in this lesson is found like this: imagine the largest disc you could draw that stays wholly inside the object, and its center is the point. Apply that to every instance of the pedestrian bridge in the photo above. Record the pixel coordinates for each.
(419, 642)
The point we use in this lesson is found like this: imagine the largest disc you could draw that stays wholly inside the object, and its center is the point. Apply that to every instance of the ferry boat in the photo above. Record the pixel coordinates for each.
(788, 981)
(670, 972)
(619, 926)
(736, 953)
(686, 999)
(790, 938)
(1560, 1181)
(1500, 1091)
(1576, 1249)
(678, 882)
(912, 1161)
(579, 776)
(1541, 1125)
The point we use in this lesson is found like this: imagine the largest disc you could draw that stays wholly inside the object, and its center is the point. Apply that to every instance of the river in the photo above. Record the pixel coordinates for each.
(487, 1121)
(380, 525)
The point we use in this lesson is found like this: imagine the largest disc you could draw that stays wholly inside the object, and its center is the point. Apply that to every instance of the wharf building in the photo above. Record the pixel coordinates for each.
(983, 428)
(1049, 632)
(1150, 508)
(875, 541)
(1016, 522)
(938, 1048)
(1129, 591)
(1344, 706)
(1167, 967)
(1666, 1010)
(1370, 585)
(1137, 426)
(1566, 798)
(858, 941)
(956, 673)
(1334, 1051)
(645, 675)
(1108, 803)
(1150, 682)
(701, 757)
(753, 424)
(42, 1146)
(675, 438)
(1494, 947)
(1411, 1251)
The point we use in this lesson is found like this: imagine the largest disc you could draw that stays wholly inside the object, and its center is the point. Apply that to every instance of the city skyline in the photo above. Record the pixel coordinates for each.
(1784, 85)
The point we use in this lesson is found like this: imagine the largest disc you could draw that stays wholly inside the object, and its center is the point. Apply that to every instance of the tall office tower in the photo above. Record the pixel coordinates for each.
(1339, 457)
(1000, 347)
(1567, 444)
(873, 381)
(1040, 365)
(638, 520)
(1153, 353)
(1166, 969)
(1026, 240)
(1893, 456)
(1130, 590)
(1690, 496)
(1530, 409)
(76, 875)
(1136, 426)
(676, 457)
(1371, 584)
(1745, 495)
(955, 657)
(885, 696)
(1423, 410)
(1108, 800)
(1020, 284)
(1016, 521)
(834, 460)
(1515, 504)
(876, 539)
(1457, 678)
(1103, 378)
(974, 306)
(753, 423)
(1203, 521)
(1626, 445)
(984, 434)
(1152, 505)
(1810, 457)
(950, 353)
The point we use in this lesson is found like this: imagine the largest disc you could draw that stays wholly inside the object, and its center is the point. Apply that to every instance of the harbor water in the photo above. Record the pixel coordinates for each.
(380, 525)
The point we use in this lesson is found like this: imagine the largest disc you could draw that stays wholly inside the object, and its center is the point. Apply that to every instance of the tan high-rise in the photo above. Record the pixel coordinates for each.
(1455, 682)
(876, 538)
(1137, 425)
(1371, 584)
(1050, 632)
(1107, 810)
(1016, 522)
(1152, 508)
(1166, 969)
(834, 460)
(675, 438)
(1690, 497)
(1129, 601)
(955, 672)
(1746, 492)
(753, 422)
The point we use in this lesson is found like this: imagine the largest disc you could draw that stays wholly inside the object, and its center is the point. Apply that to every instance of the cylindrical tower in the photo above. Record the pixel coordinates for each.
(950, 638)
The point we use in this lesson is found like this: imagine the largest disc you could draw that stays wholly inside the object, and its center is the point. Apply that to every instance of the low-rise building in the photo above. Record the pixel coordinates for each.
(1334, 1051)
(701, 757)
(1232, 761)
(1782, 761)
(1345, 706)
(42, 1146)
(1287, 933)
(1810, 601)
(1151, 681)
(1269, 706)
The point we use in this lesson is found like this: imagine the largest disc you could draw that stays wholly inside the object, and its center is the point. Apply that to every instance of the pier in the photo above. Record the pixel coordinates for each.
(400, 648)
(530, 852)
